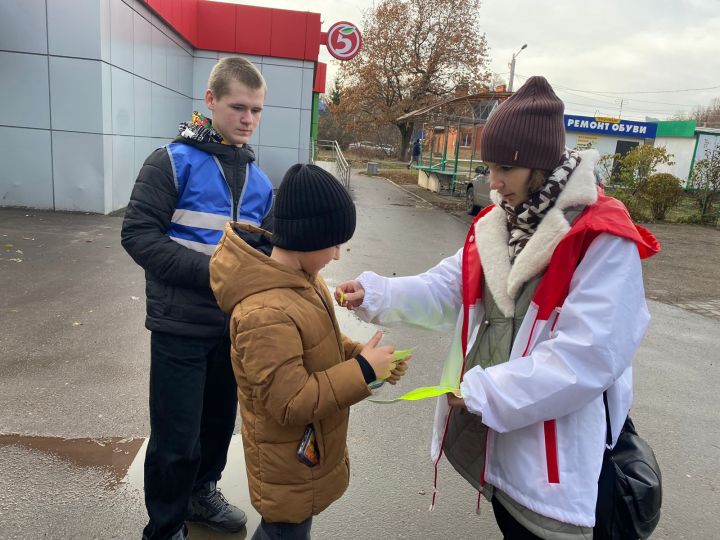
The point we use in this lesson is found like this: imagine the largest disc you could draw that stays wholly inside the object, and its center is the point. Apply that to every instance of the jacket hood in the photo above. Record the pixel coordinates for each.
(238, 270)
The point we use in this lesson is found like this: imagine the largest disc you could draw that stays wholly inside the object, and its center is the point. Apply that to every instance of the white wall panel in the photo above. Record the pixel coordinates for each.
(284, 86)
(159, 57)
(142, 47)
(308, 81)
(123, 97)
(26, 172)
(142, 91)
(24, 92)
(280, 127)
(305, 127)
(144, 146)
(74, 28)
(121, 35)
(287, 62)
(185, 74)
(201, 72)
(173, 65)
(123, 165)
(23, 26)
(76, 94)
(79, 171)
(107, 121)
(160, 111)
(275, 161)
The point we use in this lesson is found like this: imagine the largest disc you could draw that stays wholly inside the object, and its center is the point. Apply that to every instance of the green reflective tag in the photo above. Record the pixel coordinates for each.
(423, 392)
(402, 354)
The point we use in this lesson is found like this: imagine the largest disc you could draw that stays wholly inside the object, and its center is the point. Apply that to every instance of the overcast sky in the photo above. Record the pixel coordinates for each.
(616, 48)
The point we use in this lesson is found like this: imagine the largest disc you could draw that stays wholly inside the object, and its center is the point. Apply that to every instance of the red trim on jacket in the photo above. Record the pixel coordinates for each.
(606, 216)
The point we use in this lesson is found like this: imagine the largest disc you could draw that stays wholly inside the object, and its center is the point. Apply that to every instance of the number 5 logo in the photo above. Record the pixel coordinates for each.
(344, 40)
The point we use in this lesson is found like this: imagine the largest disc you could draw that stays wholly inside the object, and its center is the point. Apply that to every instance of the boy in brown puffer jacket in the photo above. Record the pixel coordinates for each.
(296, 373)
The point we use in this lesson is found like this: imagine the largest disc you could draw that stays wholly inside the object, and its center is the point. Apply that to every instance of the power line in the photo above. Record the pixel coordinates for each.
(612, 94)
(595, 103)
(638, 92)
(655, 91)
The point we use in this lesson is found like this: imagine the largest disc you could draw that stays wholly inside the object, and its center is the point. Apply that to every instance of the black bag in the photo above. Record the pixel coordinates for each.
(629, 487)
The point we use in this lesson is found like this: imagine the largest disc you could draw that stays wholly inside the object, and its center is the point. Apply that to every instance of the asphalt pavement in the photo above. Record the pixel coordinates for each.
(74, 359)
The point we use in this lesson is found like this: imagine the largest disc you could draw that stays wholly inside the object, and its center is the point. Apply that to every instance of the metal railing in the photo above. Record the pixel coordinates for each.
(342, 167)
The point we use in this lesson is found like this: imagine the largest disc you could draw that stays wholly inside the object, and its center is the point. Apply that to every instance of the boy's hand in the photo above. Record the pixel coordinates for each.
(350, 294)
(381, 359)
(399, 371)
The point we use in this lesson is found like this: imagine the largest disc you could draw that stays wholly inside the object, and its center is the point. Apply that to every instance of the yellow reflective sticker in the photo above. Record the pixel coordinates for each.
(402, 354)
(423, 392)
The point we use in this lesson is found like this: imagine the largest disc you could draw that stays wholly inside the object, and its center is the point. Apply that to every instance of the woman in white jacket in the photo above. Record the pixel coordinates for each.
(547, 304)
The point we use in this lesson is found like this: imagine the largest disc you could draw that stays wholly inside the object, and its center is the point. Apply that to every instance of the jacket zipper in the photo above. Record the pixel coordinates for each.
(327, 309)
(235, 188)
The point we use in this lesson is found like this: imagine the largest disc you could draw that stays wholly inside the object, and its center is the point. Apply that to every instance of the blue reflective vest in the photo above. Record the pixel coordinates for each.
(205, 201)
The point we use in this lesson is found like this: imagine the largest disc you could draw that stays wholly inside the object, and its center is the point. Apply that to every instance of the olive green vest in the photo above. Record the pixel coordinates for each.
(464, 443)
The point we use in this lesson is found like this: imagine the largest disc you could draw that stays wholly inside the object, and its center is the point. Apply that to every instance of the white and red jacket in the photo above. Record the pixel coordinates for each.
(544, 406)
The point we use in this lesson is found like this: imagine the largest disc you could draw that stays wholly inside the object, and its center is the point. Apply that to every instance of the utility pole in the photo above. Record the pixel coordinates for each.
(512, 67)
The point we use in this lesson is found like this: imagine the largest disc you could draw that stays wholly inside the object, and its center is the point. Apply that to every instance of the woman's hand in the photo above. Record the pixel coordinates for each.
(349, 294)
(455, 401)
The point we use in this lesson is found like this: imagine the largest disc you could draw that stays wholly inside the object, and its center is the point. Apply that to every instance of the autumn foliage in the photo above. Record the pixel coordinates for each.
(415, 52)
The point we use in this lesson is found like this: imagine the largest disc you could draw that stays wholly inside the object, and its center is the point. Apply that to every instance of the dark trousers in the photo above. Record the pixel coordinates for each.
(193, 404)
(510, 528)
(283, 531)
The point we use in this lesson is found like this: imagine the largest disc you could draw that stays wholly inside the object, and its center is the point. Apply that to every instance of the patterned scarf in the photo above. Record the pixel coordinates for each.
(523, 221)
(200, 129)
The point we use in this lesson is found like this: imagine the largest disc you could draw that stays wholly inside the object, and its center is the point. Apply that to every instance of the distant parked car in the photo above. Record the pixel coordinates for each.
(371, 147)
(477, 193)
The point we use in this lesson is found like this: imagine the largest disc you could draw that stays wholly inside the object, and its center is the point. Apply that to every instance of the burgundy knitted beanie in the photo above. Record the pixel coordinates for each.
(526, 130)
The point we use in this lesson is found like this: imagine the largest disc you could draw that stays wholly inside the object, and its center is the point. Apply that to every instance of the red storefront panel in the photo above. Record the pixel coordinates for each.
(288, 34)
(253, 30)
(220, 26)
(216, 26)
(320, 74)
(312, 37)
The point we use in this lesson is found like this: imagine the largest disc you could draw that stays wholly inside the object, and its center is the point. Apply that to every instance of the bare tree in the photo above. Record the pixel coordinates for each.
(414, 53)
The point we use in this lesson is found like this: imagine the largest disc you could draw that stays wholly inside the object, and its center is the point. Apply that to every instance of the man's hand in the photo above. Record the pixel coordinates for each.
(349, 294)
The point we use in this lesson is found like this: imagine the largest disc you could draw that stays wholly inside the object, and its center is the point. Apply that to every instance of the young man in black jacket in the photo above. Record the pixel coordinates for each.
(184, 194)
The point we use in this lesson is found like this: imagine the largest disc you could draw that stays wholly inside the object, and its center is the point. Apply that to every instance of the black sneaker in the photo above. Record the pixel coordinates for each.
(208, 507)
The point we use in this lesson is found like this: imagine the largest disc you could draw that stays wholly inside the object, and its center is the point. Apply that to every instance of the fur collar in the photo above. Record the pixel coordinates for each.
(491, 236)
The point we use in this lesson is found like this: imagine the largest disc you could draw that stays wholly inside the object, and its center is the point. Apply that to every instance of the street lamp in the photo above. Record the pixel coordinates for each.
(512, 67)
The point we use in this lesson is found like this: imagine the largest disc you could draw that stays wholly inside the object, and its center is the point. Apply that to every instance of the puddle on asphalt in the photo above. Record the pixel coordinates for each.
(112, 454)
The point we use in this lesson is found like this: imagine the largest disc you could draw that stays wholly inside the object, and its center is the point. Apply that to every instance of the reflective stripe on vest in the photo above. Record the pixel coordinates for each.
(204, 203)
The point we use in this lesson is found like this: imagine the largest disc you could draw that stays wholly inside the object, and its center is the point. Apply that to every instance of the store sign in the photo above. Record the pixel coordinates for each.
(343, 41)
(585, 142)
(611, 119)
(625, 128)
